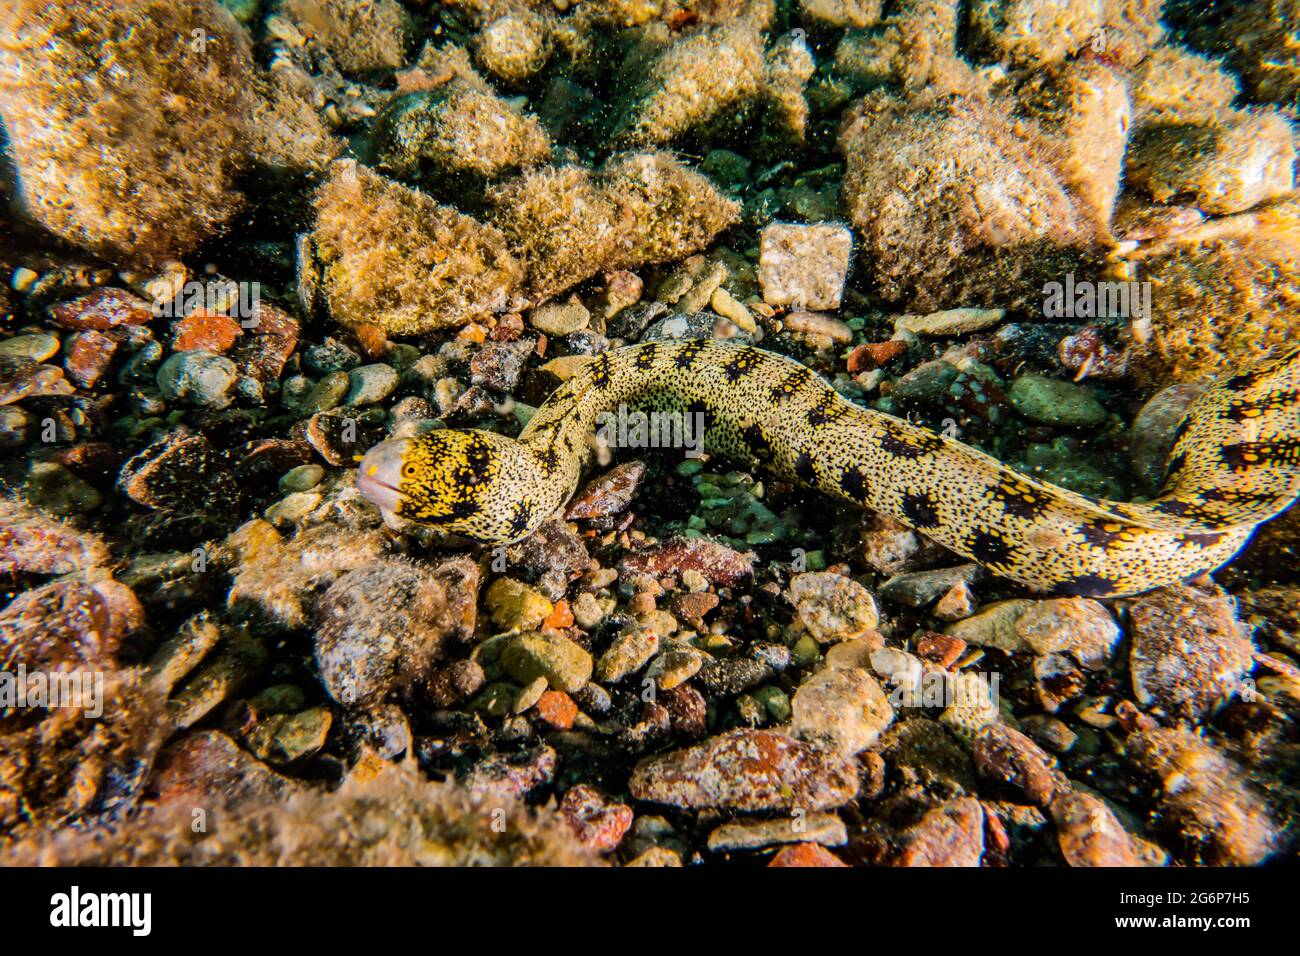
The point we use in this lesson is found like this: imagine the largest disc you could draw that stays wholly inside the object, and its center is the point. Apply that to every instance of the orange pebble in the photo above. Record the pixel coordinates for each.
(806, 854)
(560, 618)
(557, 709)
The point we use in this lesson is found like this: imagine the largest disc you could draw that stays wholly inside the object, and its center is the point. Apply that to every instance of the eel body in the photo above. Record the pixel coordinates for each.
(1235, 464)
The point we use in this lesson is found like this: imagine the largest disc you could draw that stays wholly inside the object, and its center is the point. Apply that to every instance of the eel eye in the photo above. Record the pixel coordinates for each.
(409, 471)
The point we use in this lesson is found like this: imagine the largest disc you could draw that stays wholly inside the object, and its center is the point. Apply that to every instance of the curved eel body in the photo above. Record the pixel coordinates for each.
(1235, 464)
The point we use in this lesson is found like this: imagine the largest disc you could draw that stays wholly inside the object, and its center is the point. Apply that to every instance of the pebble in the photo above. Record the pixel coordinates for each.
(301, 478)
(747, 770)
(630, 651)
(824, 829)
(1009, 759)
(1089, 834)
(1207, 808)
(515, 606)
(283, 739)
(675, 667)
(598, 821)
(1080, 627)
(368, 384)
(806, 855)
(89, 356)
(609, 494)
(37, 347)
(557, 709)
(328, 356)
(564, 663)
(1151, 437)
(559, 319)
(833, 607)
(325, 394)
(843, 708)
(205, 331)
(818, 325)
(199, 378)
(1051, 401)
(957, 604)
(950, 322)
(951, 834)
(721, 565)
(804, 266)
(180, 472)
(1189, 654)
(919, 588)
(55, 490)
(102, 309)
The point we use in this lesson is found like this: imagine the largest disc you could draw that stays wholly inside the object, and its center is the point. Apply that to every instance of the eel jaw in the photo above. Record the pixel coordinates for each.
(379, 475)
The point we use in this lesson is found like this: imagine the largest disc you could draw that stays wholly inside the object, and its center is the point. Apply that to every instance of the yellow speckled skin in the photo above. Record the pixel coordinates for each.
(1236, 464)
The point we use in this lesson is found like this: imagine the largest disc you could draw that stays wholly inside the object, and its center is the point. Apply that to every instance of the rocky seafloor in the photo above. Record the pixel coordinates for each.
(243, 242)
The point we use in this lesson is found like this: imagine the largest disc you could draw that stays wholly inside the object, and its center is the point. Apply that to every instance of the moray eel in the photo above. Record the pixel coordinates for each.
(1235, 464)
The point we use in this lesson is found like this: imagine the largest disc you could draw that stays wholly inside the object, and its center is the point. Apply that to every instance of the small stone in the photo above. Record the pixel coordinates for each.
(630, 651)
(368, 384)
(325, 394)
(949, 322)
(102, 309)
(1189, 654)
(179, 472)
(843, 708)
(515, 606)
(833, 607)
(675, 667)
(1010, 759)
(205, 331)
(500, 365)
(747, 770)
(36, 348)
(806, 855)
(1155, 428)
(302, 478)
(974, 705)
(721, 565)
(951, 834)
(557, 709)
(824, 328)
(1080, 627)
(942, 649)
(559, 319)
(89, 356)
(283, 739)
(1089, 833)
(1050, 401)
(564, 663)
(825, 829)
(609, 494)
(599, 822)
(330, 356)
(919, 588)
(199, 378)
(804, 266)
(55, 490)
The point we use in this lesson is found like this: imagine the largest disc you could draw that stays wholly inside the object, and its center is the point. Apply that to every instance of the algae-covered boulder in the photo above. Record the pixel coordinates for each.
(361, 35)
(393, 257)
(956, 205)
(126, 119)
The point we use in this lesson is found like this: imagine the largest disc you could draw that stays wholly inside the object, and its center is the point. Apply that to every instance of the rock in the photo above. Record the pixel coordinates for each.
(818, 327)
(949, 322)
(1207, 809)
(381, 627)
(550, 557)
(1089, 834)
(1009, 759)
(560, 318)
(1080, 627)
(951, 834)
(920, 588)
(198, 378)
(515, 606)
(823, 829)
(207, 766)
(1226, 167)
(557, 709)
(328, 356)
(34, 348)
(368, 384)
(1189, 654)
(1154, 431)
(180, 472)
(974, 704)
(89, 356)
(804, 266)
(630, 651)
(843, 708)
(599, 822)
(806, 854)
(721, 565)
(34, 544)
(302, 478)
(222, 677)
(501, 777)
(833, 607)
(283, 739)
(55, 490)
(609, 494)
(747, 770)
(1051, 401)
(105, 308)
(205, 331)
(564, 663)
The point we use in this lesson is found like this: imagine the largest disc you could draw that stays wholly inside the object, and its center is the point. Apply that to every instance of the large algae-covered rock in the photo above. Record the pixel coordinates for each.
(1048, 31)
(393, 257)
(1174, 85)
(955, 205)
(914, 45)
(699, 81)
(1229, 294)
(1225, 166)
(460, 128)
(287, 133)
(126, 120)
(360, 35)
(569, 223)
